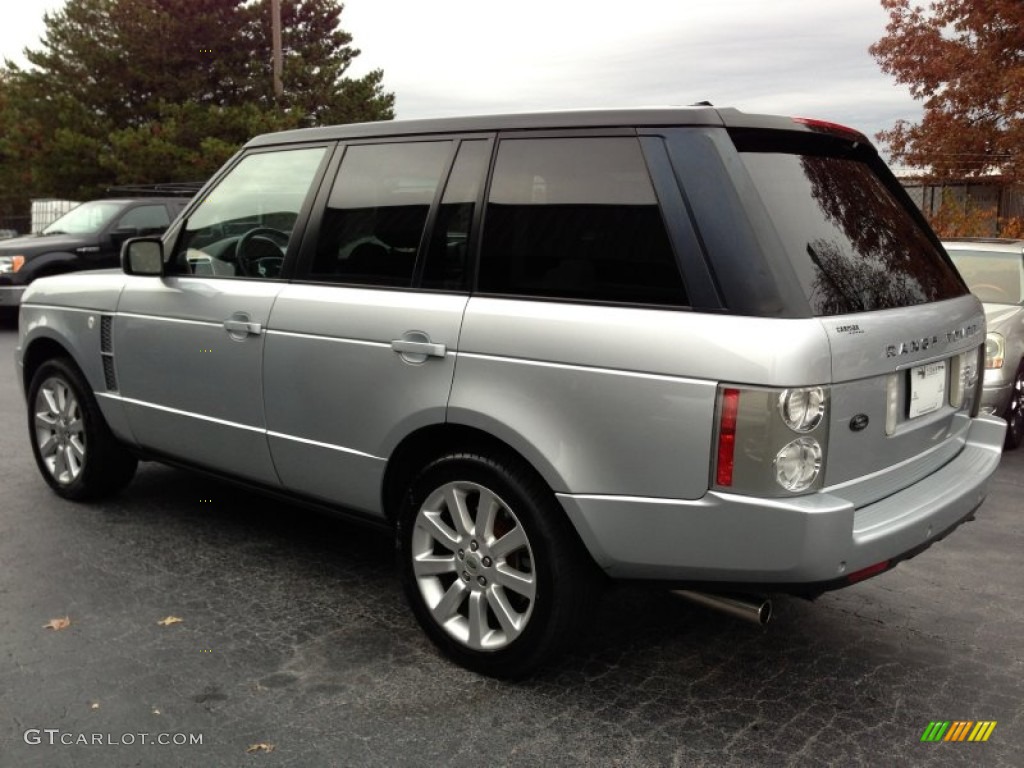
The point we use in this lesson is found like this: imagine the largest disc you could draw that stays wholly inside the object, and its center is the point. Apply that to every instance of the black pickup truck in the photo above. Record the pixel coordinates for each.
(88, 236)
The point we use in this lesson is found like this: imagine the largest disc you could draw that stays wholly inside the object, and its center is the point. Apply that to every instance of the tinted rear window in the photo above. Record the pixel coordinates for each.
(853, 244)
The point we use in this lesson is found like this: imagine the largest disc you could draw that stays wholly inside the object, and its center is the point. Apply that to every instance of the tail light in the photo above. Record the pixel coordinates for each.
(771, 441)
(727, 437)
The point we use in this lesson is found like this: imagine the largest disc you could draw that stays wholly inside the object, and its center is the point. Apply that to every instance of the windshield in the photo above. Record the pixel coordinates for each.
(86, 219)
(854, 243)
(993, 277)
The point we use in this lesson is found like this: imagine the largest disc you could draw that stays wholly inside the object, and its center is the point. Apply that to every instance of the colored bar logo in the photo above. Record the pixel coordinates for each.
(958, 730)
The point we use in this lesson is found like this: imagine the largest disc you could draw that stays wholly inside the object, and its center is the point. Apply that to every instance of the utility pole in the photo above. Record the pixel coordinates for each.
(275, 20)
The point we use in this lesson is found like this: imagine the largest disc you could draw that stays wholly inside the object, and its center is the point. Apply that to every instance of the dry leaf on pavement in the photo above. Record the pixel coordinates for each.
(169, 620)
(58, 624)
(261, 747)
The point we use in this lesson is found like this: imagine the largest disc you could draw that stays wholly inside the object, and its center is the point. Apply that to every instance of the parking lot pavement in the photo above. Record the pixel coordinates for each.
(294, 635)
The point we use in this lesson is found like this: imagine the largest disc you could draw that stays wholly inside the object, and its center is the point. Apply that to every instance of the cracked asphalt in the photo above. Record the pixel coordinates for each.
(294, 634)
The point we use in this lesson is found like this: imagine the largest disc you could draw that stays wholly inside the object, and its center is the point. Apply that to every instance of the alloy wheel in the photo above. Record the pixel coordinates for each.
(60, 430)
(473, 565)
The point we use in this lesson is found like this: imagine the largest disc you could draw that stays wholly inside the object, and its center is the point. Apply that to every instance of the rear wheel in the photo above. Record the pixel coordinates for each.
(72, 444)
(1015, 411)
(490, 565)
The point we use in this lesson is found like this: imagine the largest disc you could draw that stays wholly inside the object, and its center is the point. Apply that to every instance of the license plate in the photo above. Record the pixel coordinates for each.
(927, 388)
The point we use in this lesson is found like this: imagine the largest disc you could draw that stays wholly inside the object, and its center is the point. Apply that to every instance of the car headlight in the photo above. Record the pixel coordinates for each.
(11, 264)
(995, 349)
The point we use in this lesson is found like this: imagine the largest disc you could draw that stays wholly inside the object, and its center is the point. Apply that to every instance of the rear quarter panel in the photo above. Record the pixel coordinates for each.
(618, 400)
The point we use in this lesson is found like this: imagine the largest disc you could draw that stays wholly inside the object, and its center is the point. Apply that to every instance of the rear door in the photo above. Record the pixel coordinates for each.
(362, 346)
(188, 347)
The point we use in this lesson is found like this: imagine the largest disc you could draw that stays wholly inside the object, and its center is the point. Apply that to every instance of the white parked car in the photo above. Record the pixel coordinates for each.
(994, 271)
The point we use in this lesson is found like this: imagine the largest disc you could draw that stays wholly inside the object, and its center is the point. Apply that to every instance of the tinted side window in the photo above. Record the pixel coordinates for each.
(151, 218)
(577, 219)
(374, 220)
(243, 226)
(447, 259)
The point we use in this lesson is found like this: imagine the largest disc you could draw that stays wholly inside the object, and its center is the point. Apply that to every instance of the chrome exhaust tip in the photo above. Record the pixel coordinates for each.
(757, 610)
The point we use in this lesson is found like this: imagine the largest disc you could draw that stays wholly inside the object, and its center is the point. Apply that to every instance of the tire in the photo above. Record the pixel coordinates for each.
(74, 449)
(1015, 412)
(504, 587)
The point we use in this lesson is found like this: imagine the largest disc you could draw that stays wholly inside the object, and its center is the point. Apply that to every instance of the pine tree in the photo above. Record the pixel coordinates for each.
(137, 91)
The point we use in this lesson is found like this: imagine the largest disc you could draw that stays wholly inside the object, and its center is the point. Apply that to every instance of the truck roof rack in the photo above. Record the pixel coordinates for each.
(170, 189)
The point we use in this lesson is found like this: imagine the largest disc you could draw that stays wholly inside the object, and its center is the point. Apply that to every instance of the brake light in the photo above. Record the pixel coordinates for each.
(824, 126)
(727, 437)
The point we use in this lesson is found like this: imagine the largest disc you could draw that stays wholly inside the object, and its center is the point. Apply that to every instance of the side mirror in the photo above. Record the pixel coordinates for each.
(143, 256)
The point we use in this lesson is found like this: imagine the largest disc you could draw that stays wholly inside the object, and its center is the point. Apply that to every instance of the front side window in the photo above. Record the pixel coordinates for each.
(577, 218)
(243, 227)
(377, 211)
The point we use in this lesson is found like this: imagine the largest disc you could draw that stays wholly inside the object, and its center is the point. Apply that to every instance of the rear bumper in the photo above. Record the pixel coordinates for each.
(807, 543)
(10, 295)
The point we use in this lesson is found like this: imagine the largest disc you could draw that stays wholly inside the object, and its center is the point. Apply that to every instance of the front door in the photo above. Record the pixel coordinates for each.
(188, 347)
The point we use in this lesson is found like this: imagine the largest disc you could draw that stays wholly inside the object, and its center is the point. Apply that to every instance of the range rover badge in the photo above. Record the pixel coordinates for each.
(859, 422)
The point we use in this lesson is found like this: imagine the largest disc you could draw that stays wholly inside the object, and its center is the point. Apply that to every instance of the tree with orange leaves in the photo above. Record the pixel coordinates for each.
(965, 60)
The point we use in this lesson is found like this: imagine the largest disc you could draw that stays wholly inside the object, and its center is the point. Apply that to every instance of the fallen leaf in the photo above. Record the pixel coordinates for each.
(156, 711)
(94, 705)
(261, 747)
(58, 624)
(169, 620)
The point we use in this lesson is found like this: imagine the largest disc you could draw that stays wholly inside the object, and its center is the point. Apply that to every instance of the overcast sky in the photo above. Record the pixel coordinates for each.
(446, 57)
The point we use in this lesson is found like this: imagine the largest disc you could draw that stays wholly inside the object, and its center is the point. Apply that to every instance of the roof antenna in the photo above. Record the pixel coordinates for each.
(702, 104)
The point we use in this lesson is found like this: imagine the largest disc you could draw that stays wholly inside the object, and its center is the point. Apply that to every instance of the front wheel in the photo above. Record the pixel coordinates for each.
(72, 444)
(490, 565)
(1015, 411)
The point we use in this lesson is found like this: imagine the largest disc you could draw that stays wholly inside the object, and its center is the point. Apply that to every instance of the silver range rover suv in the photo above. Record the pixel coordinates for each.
(715, 350)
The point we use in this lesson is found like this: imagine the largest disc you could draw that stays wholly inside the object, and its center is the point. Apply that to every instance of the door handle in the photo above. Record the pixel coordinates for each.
(243, 327)
(428, 348)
